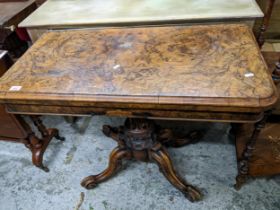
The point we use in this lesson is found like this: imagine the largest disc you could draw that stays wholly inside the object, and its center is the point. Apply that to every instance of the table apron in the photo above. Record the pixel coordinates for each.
(189, 115)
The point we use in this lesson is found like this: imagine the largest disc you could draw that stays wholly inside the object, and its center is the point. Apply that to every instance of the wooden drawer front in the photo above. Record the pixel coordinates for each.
(9, 126)
(266, 156)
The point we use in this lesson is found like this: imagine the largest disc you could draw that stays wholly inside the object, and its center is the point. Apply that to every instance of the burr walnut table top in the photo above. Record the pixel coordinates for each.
(196, 68)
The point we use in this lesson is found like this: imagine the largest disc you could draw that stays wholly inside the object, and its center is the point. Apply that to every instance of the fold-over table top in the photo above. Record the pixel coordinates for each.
(217, 65)
(74, 13)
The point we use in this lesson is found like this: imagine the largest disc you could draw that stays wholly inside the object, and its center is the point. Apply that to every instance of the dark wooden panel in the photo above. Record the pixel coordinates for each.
(10, 127)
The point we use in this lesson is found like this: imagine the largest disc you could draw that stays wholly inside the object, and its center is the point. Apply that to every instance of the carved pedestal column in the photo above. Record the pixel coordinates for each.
(139, 139)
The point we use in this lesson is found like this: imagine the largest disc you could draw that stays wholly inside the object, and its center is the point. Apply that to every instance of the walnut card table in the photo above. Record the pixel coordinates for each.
(202, 73)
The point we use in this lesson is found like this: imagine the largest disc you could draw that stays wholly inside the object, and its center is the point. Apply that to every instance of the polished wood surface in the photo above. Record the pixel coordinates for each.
(12, 13)
(216, 66)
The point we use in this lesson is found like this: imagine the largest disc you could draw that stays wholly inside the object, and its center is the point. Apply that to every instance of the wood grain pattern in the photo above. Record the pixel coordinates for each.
(218, 65)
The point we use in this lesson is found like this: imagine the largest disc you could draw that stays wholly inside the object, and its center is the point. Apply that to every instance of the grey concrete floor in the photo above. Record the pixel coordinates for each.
(209, 164)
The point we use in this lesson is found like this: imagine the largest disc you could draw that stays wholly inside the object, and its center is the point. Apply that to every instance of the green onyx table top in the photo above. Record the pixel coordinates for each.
(73, 13)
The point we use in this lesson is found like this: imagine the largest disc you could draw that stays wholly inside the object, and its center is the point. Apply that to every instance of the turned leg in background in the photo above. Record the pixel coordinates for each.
(244, 162)
(265, 22)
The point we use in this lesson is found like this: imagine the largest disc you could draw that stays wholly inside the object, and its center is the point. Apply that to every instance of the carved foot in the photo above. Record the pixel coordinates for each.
(37, 158)
(240, 181)
(167, 138)
(89, 182)
(39, 146)
(58, 137)
(161, 157)
(114, 165)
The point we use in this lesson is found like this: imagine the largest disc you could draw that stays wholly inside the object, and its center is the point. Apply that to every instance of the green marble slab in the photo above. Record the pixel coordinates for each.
(58, 13)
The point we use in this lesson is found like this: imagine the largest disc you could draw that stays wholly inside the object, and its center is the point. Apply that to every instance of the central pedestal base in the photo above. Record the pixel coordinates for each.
(139, 139)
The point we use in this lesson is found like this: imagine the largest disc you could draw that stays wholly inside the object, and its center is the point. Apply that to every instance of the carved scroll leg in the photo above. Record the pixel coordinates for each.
(114, 164)
(243, 165)
(160, 155)
(240, 181)
(37, 159)
(38, 147)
